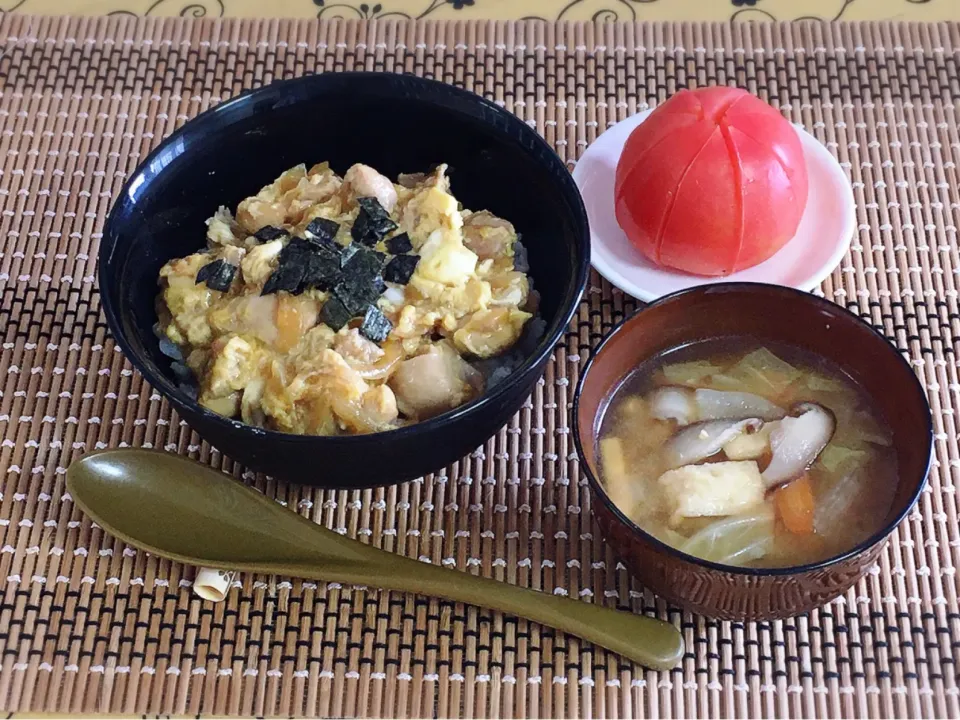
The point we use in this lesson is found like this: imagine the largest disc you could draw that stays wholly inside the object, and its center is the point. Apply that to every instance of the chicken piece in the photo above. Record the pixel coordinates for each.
(434, 382)
(488, 236)
(260, 262)
(711, 489)
(187, 301)
(445, 259)
(363, 181)
(254, 315)
(491, 331)
(380, 406)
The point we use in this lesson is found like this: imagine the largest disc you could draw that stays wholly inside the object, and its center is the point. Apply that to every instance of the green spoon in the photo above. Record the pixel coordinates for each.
(176, 508)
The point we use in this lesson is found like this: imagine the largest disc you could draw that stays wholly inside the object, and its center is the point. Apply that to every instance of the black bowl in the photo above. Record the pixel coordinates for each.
(396, 123)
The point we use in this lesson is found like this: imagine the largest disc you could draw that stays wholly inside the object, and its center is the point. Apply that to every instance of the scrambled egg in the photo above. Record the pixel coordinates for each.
(269, 360)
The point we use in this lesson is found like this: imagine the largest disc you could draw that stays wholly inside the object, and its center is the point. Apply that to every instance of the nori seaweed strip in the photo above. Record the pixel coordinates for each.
(270, 232)
(288, 276)
(326, 246)
(375, 325)
(373, 222)
(348, 252)
(334, 314)
(373, 208)
(364, 264)
(357, 294)
(400, 269)
(399, 244)
(218, 275)
(320, 271)
(322, 229)
(296, 248)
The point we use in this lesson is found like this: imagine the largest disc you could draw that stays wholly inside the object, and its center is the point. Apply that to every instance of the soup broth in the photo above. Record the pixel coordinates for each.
(760, 457)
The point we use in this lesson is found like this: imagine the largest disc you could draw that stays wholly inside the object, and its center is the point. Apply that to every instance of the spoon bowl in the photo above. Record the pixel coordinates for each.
(176, 508)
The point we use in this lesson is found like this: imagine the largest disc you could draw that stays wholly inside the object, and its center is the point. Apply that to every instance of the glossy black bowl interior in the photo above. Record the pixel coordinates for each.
(396, 124)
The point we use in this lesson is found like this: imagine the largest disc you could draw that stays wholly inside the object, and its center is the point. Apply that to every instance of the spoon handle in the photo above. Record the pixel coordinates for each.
(646, 640)
(175, 508)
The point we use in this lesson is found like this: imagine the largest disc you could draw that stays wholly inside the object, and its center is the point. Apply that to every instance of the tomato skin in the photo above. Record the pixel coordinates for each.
(712, 182)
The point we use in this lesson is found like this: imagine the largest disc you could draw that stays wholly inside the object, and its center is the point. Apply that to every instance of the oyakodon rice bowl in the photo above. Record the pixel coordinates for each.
(228, 153)
(333, 305)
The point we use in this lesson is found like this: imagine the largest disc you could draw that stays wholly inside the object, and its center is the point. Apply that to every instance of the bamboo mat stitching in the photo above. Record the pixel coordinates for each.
(113, 629)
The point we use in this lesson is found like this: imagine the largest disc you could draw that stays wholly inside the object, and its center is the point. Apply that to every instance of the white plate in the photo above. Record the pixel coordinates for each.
(822, 239)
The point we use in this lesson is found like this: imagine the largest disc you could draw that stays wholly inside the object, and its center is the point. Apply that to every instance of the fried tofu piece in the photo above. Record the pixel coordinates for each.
(711, 489)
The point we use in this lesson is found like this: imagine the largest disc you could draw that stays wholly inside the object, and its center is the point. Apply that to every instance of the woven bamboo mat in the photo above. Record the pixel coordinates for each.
(89, 625)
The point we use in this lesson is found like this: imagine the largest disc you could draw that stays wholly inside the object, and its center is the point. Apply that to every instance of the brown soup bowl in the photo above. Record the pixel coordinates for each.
(761, 313)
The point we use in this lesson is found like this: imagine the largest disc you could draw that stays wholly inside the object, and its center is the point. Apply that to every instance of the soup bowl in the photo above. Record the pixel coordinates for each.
(758, 313)
(396, 123)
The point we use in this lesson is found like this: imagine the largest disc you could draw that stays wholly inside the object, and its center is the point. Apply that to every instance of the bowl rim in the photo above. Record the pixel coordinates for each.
(770, 289)
(569, 301)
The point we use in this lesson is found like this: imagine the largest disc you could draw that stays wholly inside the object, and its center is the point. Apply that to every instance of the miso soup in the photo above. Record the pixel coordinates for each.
(756, 456)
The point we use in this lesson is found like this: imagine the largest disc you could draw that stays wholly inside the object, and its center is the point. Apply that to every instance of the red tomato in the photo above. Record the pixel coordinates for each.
(714, 181)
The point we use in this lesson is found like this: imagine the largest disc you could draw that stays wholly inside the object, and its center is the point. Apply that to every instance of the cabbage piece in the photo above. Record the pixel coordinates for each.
(869, 428)
(666, 535)
(689, 373)
(851, 507)
(859, 429)
(763, 373)
(822, 383)
(839, 459)
(723, 381)
(735, 540)
(836, 505)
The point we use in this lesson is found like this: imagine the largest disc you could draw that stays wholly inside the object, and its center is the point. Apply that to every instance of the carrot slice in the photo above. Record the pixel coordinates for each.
(795, 505)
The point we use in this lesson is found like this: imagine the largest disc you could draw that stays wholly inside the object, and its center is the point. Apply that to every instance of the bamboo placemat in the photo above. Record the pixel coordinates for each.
(89, 625)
